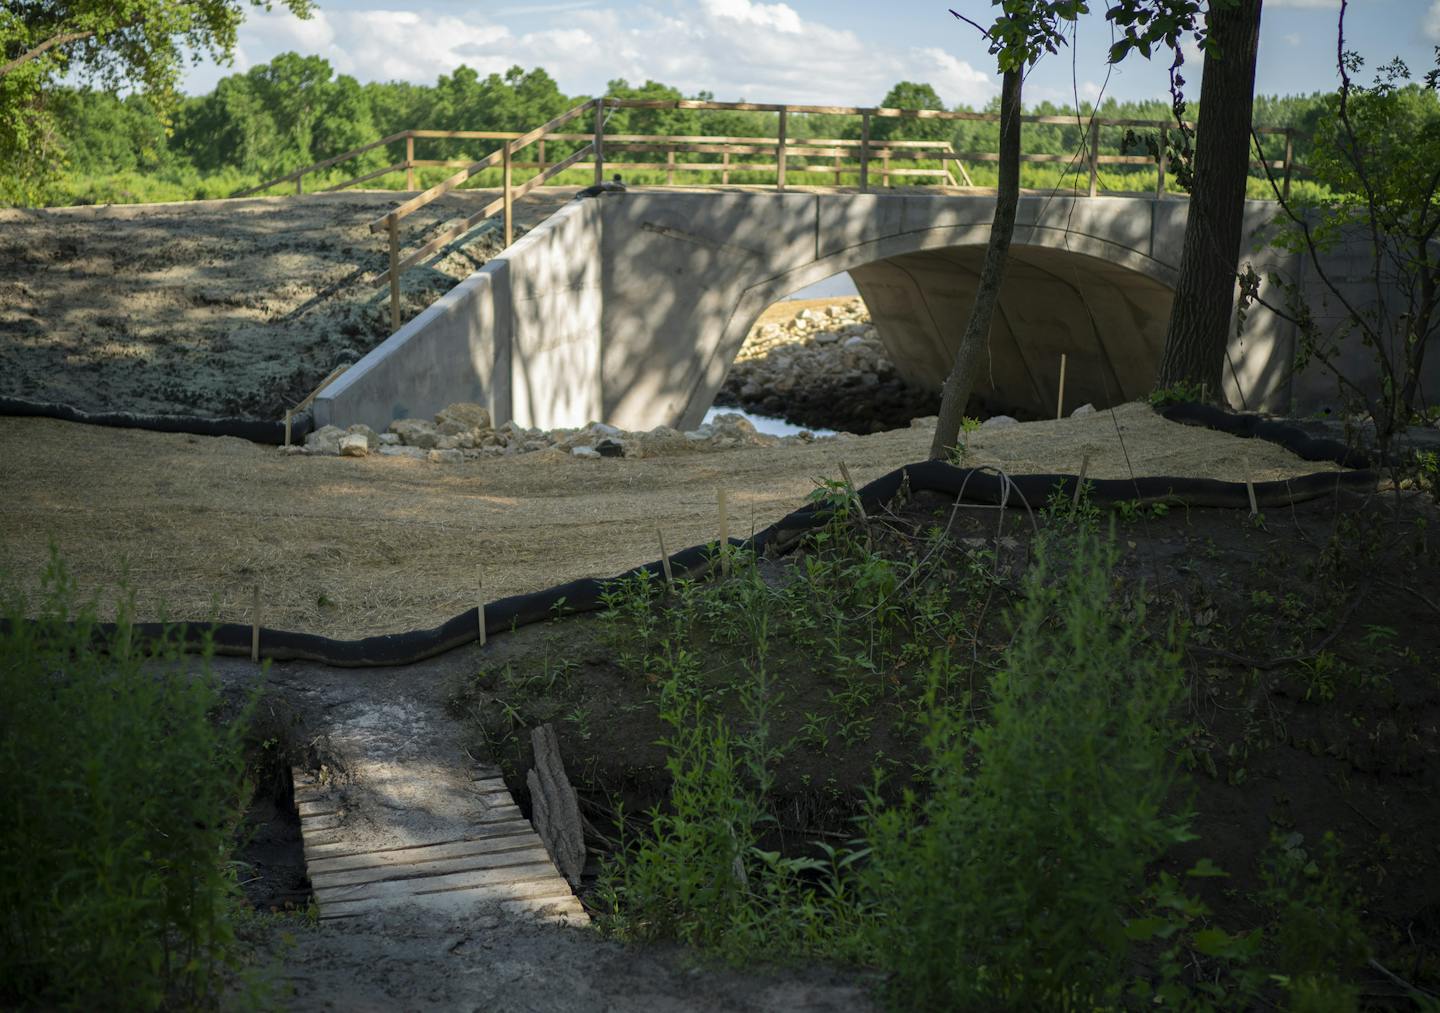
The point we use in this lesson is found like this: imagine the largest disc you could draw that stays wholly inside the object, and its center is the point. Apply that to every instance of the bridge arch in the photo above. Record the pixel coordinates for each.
(1102, 304)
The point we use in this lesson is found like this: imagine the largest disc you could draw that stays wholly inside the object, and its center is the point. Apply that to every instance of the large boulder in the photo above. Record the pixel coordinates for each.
(466, 415)
(325, 440)
(416, 433)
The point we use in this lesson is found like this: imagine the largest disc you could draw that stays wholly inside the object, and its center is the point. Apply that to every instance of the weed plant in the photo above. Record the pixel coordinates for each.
(120, 805)
(1006, 883)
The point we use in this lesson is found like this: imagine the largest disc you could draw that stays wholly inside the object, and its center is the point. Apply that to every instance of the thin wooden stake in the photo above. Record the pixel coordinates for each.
(1060, 400)
(1250, 488)
(1080, 484)
(665, 562)
(288, 415)
(255, 627)
(724, 535)
(480, 611)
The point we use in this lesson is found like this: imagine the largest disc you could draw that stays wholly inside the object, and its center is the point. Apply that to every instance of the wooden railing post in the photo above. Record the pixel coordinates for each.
(299, 183)
(392, 227)
(885, 168)
(1163, 163)
(780, 155)
(1094, 155)
(599, 140)
(542, 154)
(409, 163)
(509, 203)
(670, 166)
(864, 152)
(725, 171)
(837, 170)
(1289, 161)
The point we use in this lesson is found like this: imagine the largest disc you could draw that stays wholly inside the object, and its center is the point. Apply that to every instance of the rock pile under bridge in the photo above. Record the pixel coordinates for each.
(464, 432)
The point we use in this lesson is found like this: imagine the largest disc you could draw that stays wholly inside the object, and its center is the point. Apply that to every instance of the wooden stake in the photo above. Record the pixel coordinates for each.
(288, 415)
(1060, 400)
(1250, 488)
(255, 627)
(1080, 483)
(724, 535)
(665, 562)
(480, 611)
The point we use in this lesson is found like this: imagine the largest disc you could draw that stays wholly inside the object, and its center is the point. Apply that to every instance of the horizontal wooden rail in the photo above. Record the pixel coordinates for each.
(441, 189)
(298, 173)
(455, 232)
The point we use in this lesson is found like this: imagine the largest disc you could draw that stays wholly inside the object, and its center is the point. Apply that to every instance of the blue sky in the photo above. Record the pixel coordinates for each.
(844, 52)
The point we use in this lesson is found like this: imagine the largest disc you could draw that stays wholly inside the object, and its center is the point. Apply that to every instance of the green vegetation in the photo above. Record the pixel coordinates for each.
(295, 111)
(123, 791)
(969, 754)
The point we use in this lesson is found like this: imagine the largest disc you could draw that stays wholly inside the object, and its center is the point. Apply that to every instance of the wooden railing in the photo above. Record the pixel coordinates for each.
(861, 159)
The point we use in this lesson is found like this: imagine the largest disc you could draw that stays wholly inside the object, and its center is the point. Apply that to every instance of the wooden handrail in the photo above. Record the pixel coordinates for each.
(323, 165)
(441, 189)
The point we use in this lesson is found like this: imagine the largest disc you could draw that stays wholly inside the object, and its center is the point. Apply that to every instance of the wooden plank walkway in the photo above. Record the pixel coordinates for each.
(496, 859)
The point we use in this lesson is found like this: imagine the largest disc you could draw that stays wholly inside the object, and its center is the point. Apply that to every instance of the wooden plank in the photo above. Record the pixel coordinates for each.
(397, 167)
(320, 824)
(559, 909)
(532, 871)
(432, 869)
(459, 900)
(500, 813)
(521, 836)
(489, 785)
(347, 849)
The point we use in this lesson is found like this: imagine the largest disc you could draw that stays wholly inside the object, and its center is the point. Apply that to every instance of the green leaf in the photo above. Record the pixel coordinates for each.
(1206, 869)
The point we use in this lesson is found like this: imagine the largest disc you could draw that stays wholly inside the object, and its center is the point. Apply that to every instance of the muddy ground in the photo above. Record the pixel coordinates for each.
(214, 308)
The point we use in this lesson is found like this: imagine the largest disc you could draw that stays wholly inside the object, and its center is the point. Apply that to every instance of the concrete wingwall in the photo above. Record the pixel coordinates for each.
(630, 307)
(521, 336)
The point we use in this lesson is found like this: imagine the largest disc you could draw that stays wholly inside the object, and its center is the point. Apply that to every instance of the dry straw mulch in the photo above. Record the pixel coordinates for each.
(351, 548)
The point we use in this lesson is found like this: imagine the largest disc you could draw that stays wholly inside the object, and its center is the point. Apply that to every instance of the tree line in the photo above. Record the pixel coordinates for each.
(295, 110)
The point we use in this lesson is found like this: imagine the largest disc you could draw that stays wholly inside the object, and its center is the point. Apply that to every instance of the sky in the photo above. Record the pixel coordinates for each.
(825, 52)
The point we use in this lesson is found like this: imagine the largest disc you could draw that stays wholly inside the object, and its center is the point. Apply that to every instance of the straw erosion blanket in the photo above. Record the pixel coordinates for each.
(209, 308)
(352, 547)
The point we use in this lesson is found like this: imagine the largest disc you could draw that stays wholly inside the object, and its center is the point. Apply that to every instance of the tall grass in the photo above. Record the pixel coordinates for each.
(121, 796)
(1006, 884)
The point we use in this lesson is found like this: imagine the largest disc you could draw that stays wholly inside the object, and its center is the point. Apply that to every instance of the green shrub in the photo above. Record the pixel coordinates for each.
(1007, 883)
(121, 797)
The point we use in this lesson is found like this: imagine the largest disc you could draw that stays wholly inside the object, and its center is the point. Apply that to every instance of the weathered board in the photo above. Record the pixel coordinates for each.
(498, 860)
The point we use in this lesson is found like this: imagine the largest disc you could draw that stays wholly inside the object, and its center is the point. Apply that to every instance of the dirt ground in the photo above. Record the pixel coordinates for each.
(408, 959)
(356, 547)
(212, 308)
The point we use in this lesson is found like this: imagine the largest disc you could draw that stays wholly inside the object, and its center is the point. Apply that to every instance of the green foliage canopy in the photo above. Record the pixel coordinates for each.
(111, 43)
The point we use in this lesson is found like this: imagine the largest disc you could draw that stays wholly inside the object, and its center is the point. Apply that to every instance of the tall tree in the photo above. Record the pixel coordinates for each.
(1198, 333)
(1024, 30)
(111, 42)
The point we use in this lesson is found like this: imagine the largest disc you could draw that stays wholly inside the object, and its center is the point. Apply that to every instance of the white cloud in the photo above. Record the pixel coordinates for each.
(734, 48)
(1432, 21)
(1292, 39)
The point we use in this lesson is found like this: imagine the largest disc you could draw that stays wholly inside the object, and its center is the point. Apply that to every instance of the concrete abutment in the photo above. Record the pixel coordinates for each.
(630, 307)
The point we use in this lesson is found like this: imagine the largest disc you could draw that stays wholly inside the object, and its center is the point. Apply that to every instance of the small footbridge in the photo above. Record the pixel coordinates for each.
(630, 306)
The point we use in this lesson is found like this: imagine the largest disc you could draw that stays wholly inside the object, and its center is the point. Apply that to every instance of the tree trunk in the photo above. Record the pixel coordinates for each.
(961, 381)
(1205, 294)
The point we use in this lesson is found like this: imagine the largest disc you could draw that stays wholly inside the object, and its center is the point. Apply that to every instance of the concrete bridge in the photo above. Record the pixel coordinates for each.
(630, 307)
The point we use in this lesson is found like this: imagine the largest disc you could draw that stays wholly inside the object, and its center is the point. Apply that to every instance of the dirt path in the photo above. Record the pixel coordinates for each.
(355, 547)
(234, 307)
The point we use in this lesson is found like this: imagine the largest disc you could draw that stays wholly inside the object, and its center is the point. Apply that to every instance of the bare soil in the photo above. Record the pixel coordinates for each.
(352, 547)
(215, 308)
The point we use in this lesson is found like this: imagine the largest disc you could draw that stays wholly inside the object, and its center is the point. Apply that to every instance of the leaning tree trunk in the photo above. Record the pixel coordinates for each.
(1205, 294)
(964, 373)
